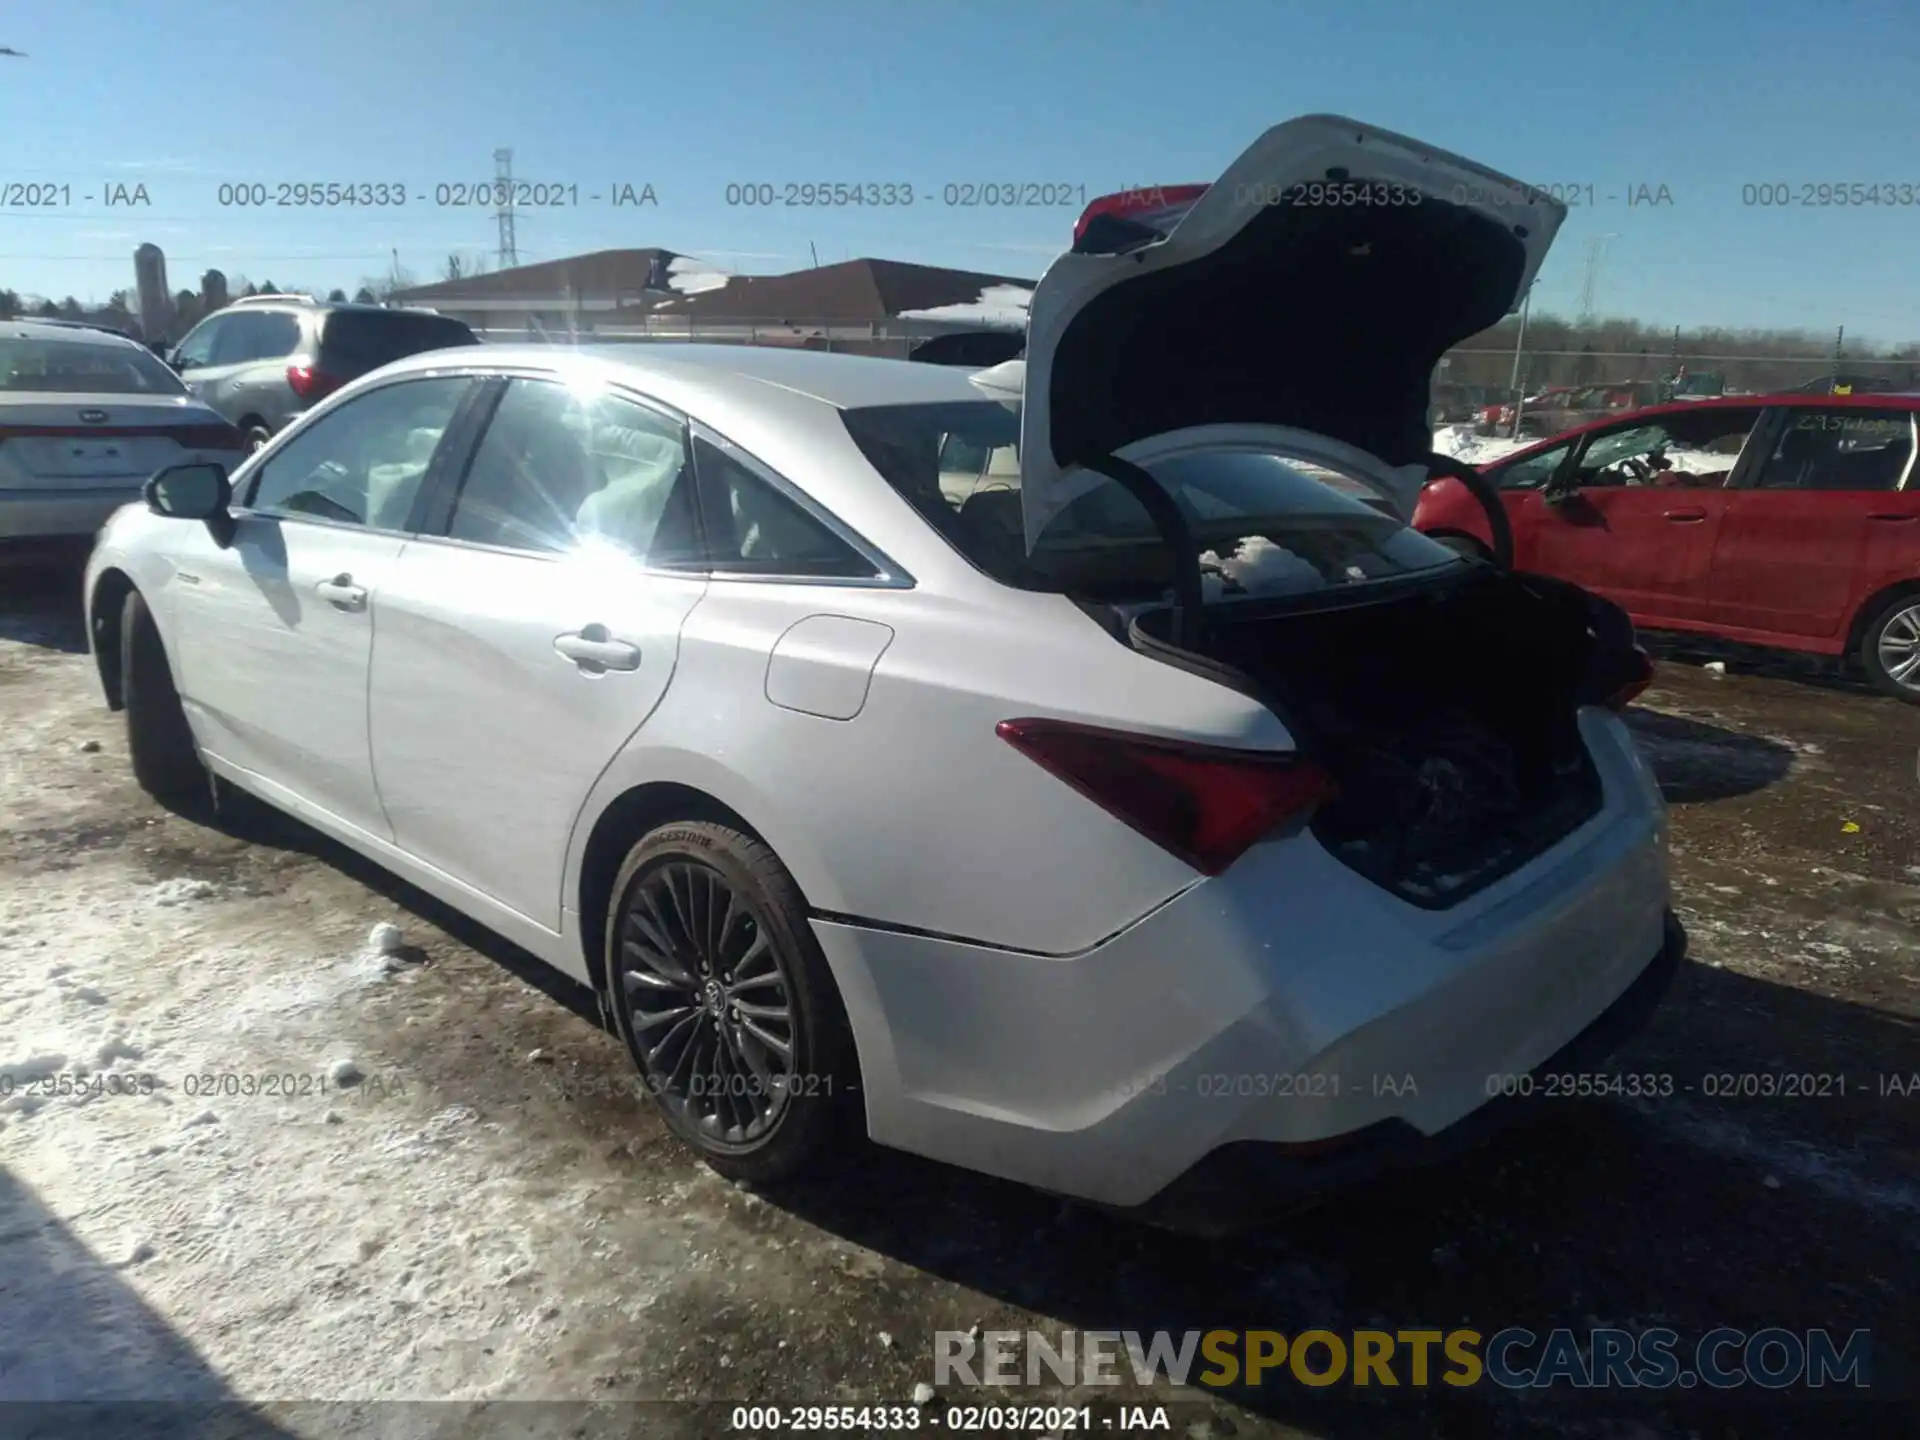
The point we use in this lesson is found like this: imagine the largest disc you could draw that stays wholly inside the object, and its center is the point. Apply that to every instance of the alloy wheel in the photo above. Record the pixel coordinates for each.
(1899, 647)
(709, 1002)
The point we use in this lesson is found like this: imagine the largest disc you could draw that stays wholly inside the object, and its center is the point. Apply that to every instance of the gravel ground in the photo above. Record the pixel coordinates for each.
(452, 1194)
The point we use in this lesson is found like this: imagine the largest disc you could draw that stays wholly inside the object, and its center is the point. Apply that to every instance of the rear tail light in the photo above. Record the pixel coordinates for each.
(1632, 690)
(309, 383)
(1203, 803)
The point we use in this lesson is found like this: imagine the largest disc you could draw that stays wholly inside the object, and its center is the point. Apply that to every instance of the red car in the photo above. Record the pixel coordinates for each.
(1785, 521)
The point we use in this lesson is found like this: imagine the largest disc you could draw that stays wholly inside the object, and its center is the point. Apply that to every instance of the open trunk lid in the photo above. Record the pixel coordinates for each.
(1312, 287)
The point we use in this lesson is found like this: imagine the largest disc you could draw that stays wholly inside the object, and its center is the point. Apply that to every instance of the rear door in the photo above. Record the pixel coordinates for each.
(531, 630)
(1829, 505)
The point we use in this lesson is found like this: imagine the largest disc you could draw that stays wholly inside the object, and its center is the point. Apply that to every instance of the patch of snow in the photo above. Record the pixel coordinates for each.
(1834, 1175)
(998, 305)
(1459, 442)
(180, 890)
(1256, 566)
(695, 277)
(923, 1394)
(385, 938)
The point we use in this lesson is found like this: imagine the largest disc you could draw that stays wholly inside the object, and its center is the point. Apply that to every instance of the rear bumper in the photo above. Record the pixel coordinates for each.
(1246, 1183)
(61, 514)
(1288, 1006)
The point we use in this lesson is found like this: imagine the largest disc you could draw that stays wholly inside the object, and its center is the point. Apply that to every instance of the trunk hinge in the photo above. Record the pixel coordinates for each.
(1171, 522)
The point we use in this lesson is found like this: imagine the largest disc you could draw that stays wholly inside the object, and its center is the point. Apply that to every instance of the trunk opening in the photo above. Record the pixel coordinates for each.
(1447, 716)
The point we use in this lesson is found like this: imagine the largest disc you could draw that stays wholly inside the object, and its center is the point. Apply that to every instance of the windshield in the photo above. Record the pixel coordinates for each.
(83, 367)
(1265, 524)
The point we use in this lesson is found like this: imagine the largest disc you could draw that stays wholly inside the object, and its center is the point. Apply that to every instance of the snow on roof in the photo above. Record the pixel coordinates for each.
(998, 305)
(692, 277)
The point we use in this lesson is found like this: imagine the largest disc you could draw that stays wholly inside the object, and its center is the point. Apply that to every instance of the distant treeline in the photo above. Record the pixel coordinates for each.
(1567, 352)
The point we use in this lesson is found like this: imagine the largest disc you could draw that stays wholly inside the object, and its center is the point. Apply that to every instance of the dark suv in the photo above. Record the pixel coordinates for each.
(265, 359)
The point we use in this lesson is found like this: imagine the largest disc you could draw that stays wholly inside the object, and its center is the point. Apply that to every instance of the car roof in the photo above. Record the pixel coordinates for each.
(69, 332)
(734, 371)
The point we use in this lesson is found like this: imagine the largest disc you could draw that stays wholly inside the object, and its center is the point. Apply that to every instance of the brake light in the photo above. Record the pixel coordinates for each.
(309, 383)
(1203, 803)
(1633, 689)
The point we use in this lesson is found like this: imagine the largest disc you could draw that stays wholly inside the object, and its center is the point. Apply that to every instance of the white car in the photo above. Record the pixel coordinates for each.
(856, 796)
(85, 417)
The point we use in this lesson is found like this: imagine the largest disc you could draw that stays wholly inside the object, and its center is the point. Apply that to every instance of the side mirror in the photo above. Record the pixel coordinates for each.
(199, 491)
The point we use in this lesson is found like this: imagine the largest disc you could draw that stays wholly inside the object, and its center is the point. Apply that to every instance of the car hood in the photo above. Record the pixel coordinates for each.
(1276, 299)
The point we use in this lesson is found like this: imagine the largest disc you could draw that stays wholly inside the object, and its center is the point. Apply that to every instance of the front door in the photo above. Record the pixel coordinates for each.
(276, 630)
(1795, 546)
(1635, 515)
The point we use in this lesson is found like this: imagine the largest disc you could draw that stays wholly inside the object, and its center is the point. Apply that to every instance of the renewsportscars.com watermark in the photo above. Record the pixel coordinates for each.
(1514, 1358)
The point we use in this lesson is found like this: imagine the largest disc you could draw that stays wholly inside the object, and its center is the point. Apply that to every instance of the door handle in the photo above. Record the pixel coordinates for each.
(341, 593)
(595, 651)
(1895, 519)
(1686, 517)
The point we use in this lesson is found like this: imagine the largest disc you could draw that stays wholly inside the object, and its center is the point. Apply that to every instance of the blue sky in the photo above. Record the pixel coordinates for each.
(689, 97)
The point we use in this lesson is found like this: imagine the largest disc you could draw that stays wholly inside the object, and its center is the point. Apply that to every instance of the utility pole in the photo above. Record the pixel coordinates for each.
(1519, 346)
(1596, 253)
(503, 212)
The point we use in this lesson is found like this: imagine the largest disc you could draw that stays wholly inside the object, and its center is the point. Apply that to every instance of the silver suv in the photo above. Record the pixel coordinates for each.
(267, 358)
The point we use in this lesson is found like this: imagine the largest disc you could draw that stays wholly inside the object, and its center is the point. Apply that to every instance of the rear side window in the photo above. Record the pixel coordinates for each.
(753, 529)
(1266, 524)
(353, 342)
(272, 335)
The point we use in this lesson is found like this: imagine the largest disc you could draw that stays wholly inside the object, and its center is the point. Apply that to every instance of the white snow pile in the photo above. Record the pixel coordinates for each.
(1461, 443)
(1256, 566)
(380, 956)
(1001, 305)
(694, 277)
(181, 891)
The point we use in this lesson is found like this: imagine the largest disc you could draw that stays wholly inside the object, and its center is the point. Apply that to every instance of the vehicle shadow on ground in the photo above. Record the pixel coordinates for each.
(1597, 1212)
(81, 1354)
(42, 607)
(1697, 762)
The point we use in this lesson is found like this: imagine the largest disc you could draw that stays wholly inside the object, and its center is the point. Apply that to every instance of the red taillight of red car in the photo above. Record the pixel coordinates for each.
(309, 383)
(1202, 803)
(1634, 688)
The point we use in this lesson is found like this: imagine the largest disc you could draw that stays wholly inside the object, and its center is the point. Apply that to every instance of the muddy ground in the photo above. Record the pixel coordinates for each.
(487, 1213)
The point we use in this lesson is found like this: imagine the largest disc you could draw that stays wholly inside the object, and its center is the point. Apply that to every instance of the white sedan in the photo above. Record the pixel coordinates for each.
(1151, 824)
(86, 416)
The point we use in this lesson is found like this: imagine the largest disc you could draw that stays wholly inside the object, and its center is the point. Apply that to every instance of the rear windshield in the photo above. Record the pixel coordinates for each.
(356, 341)
(83, 367)
(1265, 524)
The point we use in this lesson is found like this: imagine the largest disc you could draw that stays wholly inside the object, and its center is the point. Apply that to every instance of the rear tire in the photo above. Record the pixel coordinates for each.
(166, 762)
(256, 435)
(704, 919)
(1890, 648)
